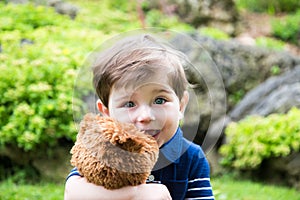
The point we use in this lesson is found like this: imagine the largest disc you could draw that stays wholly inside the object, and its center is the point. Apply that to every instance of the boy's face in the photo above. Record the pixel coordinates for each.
(152, 107)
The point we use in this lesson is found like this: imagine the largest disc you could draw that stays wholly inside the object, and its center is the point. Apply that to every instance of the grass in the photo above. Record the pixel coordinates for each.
(49, 191)
(229, 188)
(225, 188)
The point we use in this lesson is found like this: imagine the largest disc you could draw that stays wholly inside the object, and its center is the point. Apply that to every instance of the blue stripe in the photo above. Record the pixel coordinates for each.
(74, 172)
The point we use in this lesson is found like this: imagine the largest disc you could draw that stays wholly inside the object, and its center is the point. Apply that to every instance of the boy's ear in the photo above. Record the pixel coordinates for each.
(183, 103)
(102, 108)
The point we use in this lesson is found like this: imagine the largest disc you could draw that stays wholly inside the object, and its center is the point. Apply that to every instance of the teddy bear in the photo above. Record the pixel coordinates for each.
(113, 154)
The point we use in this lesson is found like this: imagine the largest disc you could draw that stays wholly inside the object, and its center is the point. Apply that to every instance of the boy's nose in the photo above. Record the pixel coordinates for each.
(144, 114)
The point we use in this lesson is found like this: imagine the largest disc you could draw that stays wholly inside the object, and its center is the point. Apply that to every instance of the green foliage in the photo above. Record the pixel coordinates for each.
(255, 138)
(108, 17)
(14, 17)
(37, 77)
(235, 97)
(125, 6)
(269, 6)
(270, 43)
(288, 28)
(155, 18)
(214, 33)
(275, 70)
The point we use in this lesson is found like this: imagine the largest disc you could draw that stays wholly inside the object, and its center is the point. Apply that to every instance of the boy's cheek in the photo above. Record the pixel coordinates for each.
(122, 116)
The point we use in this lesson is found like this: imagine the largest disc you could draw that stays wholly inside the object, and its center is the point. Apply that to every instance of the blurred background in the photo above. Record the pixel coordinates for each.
(249, 128)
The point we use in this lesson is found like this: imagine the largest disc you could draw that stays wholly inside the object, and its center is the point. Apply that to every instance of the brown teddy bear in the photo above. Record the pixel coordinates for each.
(113, 154)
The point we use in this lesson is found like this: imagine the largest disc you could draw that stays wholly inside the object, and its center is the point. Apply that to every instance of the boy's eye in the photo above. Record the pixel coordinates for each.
(159, 101)
(129, 104)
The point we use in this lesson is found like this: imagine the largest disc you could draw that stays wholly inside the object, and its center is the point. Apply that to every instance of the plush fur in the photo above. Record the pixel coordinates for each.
(113, 154)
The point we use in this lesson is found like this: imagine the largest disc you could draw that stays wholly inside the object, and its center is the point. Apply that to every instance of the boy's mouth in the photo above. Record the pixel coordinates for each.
(153, 133)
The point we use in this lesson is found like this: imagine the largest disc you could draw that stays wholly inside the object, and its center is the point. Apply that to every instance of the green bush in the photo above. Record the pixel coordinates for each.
(270, 43)
(256, 138)
(155, 18)
(288, 28)
(214, 33)
(27, 17)
(37, 76)
(269, 6)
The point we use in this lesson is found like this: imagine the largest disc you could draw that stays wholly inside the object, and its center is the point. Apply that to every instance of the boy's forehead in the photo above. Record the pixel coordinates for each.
(146, 86)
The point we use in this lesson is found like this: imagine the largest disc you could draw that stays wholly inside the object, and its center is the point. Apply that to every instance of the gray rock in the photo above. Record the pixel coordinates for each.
(219, 14)
(275, 95)
(210, 91)
(64, 8)
(244, 67)
(25, 41)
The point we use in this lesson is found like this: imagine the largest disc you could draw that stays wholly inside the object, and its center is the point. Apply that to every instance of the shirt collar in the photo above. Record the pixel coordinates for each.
(172, 149)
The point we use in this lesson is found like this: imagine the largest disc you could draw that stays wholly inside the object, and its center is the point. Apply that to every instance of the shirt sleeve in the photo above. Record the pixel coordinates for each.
(199, 186)
(73, 172)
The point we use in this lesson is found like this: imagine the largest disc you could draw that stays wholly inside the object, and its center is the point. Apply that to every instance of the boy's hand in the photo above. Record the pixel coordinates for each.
(152, 192)
(77, 188)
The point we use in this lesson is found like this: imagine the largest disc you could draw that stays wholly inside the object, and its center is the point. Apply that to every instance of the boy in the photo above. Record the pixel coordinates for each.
(142, 81)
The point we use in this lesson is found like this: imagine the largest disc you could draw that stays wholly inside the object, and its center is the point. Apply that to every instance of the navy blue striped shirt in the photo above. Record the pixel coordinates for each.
(184, 169)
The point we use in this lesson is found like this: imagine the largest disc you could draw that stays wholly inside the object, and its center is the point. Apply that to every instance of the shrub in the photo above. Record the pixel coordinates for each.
(39, 60)
(256, 138)
(270, 6)
(287, 29)
(214, 33)
(270, 43)
(155, 18)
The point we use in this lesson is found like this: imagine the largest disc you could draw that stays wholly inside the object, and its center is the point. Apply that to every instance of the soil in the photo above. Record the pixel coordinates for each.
(259, 25)
(256, 24)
